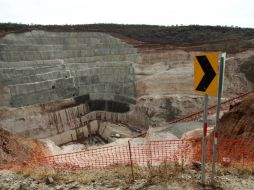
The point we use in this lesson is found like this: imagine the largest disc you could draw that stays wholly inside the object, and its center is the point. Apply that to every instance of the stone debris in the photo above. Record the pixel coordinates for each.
(138, 185)
(188, 180)
(49, 180)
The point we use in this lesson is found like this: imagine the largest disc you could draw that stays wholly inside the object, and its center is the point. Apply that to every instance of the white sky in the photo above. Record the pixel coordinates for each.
(158, 12)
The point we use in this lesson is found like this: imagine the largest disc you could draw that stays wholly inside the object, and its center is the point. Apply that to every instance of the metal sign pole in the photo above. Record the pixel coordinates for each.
(204, 139)
(215, 134)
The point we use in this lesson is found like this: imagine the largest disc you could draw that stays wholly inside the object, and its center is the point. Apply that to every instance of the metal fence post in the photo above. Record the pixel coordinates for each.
(132, 172)
(204, 139)
(215, 135)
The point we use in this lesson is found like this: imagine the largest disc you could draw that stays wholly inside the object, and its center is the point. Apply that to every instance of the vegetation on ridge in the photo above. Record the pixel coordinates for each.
(147, 33)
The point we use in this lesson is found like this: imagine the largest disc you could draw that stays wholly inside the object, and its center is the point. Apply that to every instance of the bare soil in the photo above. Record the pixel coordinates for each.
(18, 149)
(156, 178)
(239, 121)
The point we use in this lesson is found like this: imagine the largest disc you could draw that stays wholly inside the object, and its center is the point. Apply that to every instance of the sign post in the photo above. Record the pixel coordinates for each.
(215, 134)
(204, 138)
(206, 83)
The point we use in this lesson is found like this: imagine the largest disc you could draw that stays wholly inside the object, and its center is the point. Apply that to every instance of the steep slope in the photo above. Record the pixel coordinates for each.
(15, 148)
(40, 67)
(238, 123)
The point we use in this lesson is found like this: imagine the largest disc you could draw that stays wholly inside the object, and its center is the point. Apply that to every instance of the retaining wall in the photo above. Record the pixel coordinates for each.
(40, 66)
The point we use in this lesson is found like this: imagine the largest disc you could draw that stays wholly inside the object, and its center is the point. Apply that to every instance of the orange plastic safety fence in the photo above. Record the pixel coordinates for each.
(231, 152)
(238, 152)
(152, 153)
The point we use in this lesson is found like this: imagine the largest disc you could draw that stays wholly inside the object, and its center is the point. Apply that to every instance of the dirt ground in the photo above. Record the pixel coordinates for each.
(156, 178)
(17, 148)
(238, 121)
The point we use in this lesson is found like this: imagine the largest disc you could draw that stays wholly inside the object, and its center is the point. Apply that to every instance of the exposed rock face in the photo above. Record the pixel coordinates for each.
(239, 121)
(165, 81)
(39, 67)
(238, 73)
(164, 73)
(171, 72)
(161, 108)
(248, 69)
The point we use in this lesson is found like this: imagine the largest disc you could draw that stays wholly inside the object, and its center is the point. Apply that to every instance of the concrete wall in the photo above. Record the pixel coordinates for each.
(101, 128)
(39, 67)
(62, 126)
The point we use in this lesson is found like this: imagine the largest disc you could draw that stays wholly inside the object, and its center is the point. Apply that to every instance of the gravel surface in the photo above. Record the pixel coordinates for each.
(179, 129)
(121, 179)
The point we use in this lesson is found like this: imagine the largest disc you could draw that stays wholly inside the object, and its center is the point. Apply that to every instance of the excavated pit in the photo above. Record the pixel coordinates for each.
(96, 123)
(92, 69)
(97, 127)
(97, 133)
(91, 87)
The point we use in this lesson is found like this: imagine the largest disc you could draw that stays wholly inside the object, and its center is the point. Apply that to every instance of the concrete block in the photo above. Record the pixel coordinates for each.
(96, 96)
(107, 78)
(84, 119)
(124, 99)
(85, 131)
(100, 87)
(83, 89)
(129, 89)
(92, 116)
(108, 96)
(83, 72)
(5, 96)
(95, 79)
(94, 126)
(64, 137)
(83, 80)
(93, 62)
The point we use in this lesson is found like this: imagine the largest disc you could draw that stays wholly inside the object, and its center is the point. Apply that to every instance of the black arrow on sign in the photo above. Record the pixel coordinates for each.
(209, 73)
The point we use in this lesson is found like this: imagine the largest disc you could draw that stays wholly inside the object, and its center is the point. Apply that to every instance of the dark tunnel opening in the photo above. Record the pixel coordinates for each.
(103, 105)
(111, 106)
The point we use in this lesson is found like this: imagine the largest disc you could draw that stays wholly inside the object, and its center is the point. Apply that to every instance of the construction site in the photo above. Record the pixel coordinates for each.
(88, 108)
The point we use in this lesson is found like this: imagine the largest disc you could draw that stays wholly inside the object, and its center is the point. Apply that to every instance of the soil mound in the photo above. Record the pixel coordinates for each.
(239, 121)
(16, 148)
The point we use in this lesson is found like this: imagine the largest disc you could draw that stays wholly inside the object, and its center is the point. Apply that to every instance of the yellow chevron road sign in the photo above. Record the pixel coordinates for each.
(206, 72)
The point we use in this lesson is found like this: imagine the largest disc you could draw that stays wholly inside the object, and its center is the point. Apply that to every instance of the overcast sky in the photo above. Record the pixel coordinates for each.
(158, 12)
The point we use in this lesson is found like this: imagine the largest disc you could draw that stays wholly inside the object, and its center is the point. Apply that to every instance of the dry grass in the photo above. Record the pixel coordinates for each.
(58, 176)
(148, 33)
(122, 175)
(163, 172)
(178, 175)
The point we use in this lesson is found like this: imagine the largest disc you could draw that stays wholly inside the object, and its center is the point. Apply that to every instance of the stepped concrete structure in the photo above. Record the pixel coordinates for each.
(74, 123)
(41, 67)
